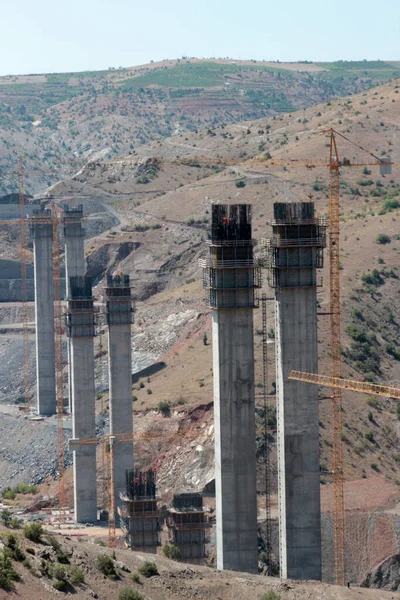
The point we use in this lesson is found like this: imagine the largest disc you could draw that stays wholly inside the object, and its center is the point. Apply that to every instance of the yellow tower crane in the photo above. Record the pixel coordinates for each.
(346, 384)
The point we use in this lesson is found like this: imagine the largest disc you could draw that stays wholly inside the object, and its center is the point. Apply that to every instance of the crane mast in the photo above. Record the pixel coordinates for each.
(336, 363)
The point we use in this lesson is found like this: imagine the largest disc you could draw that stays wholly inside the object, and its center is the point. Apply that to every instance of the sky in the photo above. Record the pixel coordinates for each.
(46, 36)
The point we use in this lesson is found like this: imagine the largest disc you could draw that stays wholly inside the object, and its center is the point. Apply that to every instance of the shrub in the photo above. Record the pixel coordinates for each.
(369, 436)
(23, 488)
(10, 540)
(7, 572)
(105, 564)
(270, 595)
(128, 594)
(373, 278)
(33, 532)
(60, 585)
(374, 402)
(172, 551)
(389, 205)
(164, 409)
(54, 543)
(390, 349)
(76, 576)
(374, 466)
(6, 517)
(15, 523)
(148, 569)
(9, 494)
(382, 238)
(135, 577)
(58, 572)
(240, 184)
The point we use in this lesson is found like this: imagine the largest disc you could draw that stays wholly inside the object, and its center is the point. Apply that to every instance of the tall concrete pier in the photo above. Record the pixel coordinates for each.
(74, 264)
(119, 318)
(41, 228)
(294, 252)
(80, 326)
(231, 279)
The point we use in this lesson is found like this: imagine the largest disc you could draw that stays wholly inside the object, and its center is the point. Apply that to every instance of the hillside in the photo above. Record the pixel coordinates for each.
(39, 567)
(163, 211)
(61, 117)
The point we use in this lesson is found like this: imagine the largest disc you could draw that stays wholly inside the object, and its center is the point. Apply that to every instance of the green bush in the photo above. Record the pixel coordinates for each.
(60, 585)
(33, 532)
(106, 565)
(128, 594)
(58, 572)
(76, 576)
(172, 551)
(240, 184)
(15, 523)
(9, 494)
(369, 436)
(373, 278)
(135, 577)
(7, 572)
(148, 569)
(164, 409)
(270, 595)
(6, 517)
(62, 556)
(382, 238)
(389, 205)
(11, 542)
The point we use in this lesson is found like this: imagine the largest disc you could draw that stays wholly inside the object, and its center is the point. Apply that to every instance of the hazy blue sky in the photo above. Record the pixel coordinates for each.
(39, 36)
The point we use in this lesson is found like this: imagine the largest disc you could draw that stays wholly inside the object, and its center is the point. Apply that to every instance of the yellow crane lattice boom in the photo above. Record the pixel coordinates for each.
(346, 384)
